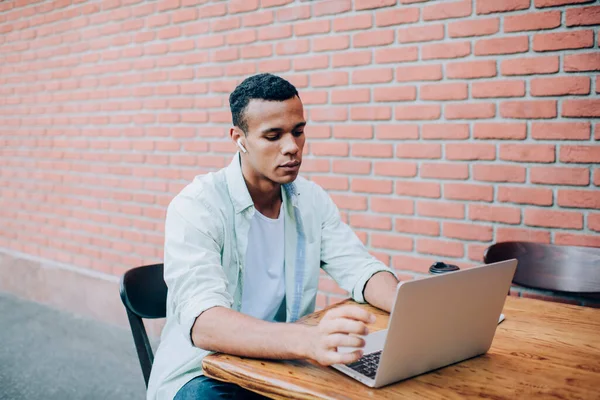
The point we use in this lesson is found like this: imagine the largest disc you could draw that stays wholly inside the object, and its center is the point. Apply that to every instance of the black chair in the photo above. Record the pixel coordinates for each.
(144, 294)
(568, 270)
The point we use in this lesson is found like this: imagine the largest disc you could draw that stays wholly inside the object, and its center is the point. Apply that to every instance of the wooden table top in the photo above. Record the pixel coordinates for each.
(542, 349)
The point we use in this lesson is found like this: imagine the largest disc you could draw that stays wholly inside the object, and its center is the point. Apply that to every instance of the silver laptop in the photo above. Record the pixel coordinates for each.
(435, 321)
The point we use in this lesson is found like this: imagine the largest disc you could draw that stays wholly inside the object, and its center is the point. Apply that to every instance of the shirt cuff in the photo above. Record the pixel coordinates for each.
(188, 315)
(359, 287)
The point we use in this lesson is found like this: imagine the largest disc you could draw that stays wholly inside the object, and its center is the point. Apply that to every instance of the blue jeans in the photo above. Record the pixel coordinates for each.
(205, 388)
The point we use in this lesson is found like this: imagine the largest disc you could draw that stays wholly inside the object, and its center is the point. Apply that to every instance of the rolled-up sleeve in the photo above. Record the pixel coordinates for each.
(343, 255)
(193, 271)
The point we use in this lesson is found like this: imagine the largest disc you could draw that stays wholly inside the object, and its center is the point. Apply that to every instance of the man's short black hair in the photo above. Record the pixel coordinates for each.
(263, 87)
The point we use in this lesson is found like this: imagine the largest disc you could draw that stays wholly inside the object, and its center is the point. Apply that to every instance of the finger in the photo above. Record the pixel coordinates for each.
(352, 312)
(333, 357)
(344, 325)
(340, 340)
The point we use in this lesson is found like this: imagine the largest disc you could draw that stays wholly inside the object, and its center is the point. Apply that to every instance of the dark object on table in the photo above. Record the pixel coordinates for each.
(441, 267)
(144, 294)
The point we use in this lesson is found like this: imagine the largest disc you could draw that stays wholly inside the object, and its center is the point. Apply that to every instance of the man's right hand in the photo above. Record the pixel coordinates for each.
(339, 327)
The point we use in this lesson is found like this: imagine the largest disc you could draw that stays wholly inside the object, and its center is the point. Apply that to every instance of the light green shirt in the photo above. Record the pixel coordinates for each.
(206, 236)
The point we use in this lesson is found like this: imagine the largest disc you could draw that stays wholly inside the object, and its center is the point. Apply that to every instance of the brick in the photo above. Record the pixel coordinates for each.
(293, 13)
(329, 7)
(468, 192)
(397, 16)
(553, 218)
(421, 34)
(581, 62)
(581, 108)
(377, 150)
(289, 47)
(445, 50)
(391, 206)
(357, 22)
(352, 59)
(393, 242)
(563, 40)
(418, 189)
(552, 3)
(502, 214)
(441, 209)
(440, 247)
(523, 195)
(447, 10)
(327, 79)
(342, 96)
(583, 16)
(331, 182)
(311, 28)
(579, 154)
(371, 4)
(445, 131)
(274, 3)
(369, 221)
(560, 86)
(400, 131)
(504, 88)
(528, 109)
(371, 113)
(593, 222)
(470, 151)
(419, 150)
(530, 65)
(494, 6)
(471, 69)
(374, 75)
(258, 18)
(560, 176)
(274, 66)
(317, 131)
(444, 171)
(458, 230)
(533, 21)
(579, 198)
(417, 112)
(373, 38)
(508, 45)
(478, 27)
(307, 63)
(469, 111)
(329, 114)
(354, 167)
(239, 6)
(364, 185)
(597, 177)
(256, 51)
(499, 173)
(274, 32)
(418, 264)
(418, 226)
(396, 55)
(431, 72)
(542, 153)
(331, 43)
(329, 149)
(569, 239)
(315, 165)
(505, 234)
(347, 202)
(394, 93)
(500, 130)
(444, 91)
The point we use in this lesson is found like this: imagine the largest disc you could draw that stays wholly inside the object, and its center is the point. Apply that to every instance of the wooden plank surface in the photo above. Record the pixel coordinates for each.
(541, 350)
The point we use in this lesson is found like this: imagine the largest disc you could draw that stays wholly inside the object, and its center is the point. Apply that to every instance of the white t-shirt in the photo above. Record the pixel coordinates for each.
(264, 284)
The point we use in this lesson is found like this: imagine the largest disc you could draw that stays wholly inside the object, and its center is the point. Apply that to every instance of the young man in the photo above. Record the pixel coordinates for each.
(243, 250)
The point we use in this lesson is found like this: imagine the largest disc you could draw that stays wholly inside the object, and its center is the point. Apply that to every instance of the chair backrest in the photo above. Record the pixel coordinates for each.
(568, 269)
(144, 294)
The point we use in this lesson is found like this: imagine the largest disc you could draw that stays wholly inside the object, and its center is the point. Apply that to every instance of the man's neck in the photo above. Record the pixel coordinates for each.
(265, 195)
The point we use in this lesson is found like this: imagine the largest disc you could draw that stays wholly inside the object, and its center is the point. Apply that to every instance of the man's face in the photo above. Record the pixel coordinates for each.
(275, 139)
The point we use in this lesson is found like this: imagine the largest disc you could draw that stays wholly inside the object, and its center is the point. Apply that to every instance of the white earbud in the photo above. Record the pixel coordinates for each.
(241, 146)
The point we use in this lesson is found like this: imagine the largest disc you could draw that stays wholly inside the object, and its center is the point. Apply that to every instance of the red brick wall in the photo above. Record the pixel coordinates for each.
(439, 127)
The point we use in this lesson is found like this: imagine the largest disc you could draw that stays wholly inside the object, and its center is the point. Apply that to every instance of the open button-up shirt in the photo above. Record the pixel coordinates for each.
(206, 236)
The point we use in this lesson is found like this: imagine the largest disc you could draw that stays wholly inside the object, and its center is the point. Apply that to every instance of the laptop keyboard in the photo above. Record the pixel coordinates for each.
(367, 364)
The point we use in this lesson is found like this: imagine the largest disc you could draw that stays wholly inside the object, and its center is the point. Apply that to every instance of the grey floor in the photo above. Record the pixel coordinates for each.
(49, 354)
